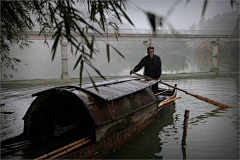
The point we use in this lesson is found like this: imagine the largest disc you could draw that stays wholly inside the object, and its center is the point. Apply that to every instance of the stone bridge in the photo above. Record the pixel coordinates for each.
(215, 37)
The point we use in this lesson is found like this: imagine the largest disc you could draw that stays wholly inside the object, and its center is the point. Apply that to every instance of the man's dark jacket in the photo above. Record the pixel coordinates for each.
(153, 67)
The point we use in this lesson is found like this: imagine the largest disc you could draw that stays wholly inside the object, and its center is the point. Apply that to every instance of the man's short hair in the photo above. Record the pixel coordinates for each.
(150, 48)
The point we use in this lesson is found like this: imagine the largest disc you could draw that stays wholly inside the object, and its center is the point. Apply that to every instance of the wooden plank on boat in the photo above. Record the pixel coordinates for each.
(13, 150)
(17, 145)
(13, 144)
(3, 149)
(10, 148)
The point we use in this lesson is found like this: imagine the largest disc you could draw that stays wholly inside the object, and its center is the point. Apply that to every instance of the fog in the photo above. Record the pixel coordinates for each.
(183, 15)
(177, 57)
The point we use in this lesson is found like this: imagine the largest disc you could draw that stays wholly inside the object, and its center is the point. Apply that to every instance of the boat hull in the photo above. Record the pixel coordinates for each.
(138, 123)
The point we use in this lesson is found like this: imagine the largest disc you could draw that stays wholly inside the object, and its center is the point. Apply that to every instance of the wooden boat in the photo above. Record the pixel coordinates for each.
(69, 123)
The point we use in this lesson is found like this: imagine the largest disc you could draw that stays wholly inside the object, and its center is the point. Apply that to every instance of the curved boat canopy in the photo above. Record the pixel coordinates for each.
(114, 99)
(110, 89)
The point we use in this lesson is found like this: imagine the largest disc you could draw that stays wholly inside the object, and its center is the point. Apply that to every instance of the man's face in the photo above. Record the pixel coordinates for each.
(151, 52)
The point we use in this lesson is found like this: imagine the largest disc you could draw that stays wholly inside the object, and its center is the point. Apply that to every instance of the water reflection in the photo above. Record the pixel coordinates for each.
(147, 144)
(184, 153)
(208, 127)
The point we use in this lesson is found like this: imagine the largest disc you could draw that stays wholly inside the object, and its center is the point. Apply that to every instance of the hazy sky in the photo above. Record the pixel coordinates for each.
(183, 16)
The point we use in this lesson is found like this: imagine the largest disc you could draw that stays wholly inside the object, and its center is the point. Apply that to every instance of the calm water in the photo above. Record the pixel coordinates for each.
(213, 132)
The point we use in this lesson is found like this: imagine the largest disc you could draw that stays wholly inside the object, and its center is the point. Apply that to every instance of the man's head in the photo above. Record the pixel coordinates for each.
(150, 51)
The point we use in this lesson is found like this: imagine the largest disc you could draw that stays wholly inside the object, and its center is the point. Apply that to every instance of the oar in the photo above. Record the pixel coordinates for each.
(192, 94)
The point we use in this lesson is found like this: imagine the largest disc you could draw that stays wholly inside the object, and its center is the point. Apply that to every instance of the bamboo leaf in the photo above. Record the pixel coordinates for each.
(232, 3)
(83, 35)
(125, 15)
(118, 52)
(56, 40)
(102, 16)
(80, 74)
(92, 44)
(116, 12)
(116, 36)
(77, 62)
(93, 11)
(151, 18)
(108, 52)
(77, 48)
(204, 7)
(16, 60)
(114, 25)
(90, 64)
(92, 82)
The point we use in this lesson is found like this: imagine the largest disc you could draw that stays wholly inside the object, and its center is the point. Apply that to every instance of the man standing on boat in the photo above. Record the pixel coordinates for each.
(152, 66)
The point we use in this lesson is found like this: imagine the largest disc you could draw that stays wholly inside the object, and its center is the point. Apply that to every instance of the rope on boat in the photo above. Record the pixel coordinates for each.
(162, 91)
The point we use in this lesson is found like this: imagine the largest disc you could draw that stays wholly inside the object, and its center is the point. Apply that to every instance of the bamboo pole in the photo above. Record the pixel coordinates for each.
(61, 149)
(70, 149)
(192, 94)
(186, 116)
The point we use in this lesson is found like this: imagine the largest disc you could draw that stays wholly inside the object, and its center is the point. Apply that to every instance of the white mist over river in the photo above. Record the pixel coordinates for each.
(36, 61)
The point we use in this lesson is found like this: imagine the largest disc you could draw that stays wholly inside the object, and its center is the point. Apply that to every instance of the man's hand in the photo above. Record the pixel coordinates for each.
(131, 72)
(158, 78)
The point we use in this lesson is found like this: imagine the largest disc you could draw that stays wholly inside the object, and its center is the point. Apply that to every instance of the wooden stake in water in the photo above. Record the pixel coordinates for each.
(186, 116)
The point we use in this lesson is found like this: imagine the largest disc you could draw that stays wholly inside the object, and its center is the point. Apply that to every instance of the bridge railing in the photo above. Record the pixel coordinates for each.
(171, 31)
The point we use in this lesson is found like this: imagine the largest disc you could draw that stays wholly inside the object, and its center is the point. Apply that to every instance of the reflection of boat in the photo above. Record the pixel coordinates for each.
(89, 124)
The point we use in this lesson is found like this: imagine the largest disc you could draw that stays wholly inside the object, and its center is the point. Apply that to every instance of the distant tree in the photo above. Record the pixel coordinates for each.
(158, 21)
(226, 51)
(226, 21)
(193, 27)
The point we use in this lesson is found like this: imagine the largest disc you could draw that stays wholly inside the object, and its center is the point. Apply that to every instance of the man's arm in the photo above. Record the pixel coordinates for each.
(139, 66)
